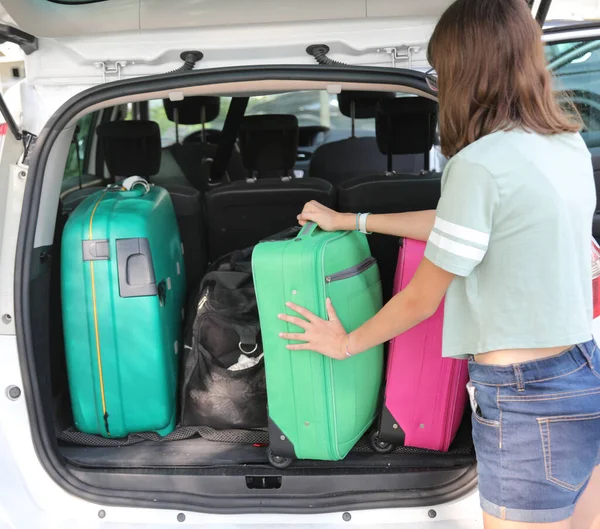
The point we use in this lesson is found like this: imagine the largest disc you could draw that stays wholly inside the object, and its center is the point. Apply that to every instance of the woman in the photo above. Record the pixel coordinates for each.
(509, 247)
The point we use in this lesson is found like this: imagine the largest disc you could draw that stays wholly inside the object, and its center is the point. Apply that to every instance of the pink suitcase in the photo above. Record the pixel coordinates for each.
(425, 394)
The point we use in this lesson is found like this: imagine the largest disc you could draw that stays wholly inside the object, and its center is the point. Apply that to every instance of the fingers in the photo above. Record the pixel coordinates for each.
(331, 314)
(299, 336)
(306, 217)
(302, 311)
(303, 324)
(298, 347)
(310, 207)
(313, 211)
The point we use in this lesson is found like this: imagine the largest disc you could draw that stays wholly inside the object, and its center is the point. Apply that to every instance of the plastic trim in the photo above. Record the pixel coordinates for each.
(135, 268)
(279, 442)
(228, 493)
(389, 429)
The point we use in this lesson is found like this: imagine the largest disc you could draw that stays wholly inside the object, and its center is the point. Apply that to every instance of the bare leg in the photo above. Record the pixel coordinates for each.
(587, 512)
(489, 522)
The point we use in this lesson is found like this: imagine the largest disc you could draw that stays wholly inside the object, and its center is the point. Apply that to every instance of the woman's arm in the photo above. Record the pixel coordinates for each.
(417, 302)
(414, 225)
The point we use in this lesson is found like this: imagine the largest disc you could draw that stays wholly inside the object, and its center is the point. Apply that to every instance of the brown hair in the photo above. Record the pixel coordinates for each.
(492, 74)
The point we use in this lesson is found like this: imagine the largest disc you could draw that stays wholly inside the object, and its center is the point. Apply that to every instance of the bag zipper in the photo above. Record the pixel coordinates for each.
(203, 301)
(355, 270)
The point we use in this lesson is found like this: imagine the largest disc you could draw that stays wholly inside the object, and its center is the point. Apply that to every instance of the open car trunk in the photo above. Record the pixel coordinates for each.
(197, 469)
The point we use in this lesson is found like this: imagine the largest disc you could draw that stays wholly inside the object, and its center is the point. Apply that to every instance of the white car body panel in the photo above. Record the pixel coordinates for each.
(55, 20)
(29, 499)
(76, 60)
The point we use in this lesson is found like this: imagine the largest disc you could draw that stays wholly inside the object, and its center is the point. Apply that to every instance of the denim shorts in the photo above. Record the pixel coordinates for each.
(536, 429)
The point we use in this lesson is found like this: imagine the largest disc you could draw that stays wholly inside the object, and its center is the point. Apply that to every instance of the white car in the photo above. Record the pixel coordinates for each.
(92, 61)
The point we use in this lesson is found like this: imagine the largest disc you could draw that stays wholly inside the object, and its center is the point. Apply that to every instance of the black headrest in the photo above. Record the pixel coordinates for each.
(130, 147)
(189, 110)
(406, 125)
(365, 103)
(270, 142)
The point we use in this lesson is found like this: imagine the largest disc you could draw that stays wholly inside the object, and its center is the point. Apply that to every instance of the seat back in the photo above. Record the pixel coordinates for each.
(404, 126)
(240, 214)
(189, 161)
(343, 160)
(130, 147)
(269, 145)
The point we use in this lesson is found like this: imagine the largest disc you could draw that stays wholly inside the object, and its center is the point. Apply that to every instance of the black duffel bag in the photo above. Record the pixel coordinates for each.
(223, 377)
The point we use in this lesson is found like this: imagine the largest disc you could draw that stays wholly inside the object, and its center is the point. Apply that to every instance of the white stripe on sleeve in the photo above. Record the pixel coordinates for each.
(461, 232)
(456, 248)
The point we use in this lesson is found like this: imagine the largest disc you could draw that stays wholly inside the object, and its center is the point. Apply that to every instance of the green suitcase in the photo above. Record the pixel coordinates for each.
(123, 290)
(318, 407)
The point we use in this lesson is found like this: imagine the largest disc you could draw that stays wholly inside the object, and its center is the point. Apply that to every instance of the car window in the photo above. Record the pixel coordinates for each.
(576, 69)
(77, 157)
(157, 113)
(312, 108)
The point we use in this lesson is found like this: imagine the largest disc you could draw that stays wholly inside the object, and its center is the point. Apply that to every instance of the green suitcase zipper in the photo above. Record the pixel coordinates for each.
(352, 271)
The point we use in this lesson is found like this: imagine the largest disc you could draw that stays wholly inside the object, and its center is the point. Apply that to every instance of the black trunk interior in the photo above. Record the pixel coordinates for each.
(190, 449)
(216, 470)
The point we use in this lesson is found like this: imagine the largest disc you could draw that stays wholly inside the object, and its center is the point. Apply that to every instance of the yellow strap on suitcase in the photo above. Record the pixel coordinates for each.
(96, 331)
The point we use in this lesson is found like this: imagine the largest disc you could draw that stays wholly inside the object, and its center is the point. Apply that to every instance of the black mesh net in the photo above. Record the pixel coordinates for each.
(461, 446)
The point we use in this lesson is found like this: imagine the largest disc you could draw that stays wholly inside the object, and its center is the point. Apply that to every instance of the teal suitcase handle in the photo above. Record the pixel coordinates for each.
(135, 269)
(309, 229)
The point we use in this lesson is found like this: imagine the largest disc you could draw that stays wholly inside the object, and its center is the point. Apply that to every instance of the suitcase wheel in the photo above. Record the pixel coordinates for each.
(278, 461)
(379, 446)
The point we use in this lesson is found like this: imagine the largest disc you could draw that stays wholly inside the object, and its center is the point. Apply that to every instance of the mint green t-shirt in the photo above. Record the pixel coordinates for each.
(514, 224)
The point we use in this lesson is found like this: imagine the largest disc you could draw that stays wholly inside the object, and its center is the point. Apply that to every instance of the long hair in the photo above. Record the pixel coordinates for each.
(492, 74)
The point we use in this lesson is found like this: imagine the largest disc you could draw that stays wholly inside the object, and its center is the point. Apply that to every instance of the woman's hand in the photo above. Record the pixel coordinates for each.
(327, 337)
(326, 218)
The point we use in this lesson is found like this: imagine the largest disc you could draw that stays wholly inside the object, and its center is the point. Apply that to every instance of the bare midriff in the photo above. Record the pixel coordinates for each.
(518, 356)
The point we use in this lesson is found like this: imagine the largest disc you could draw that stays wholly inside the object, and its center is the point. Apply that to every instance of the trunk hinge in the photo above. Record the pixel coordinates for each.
(26, 137)
(401, 53)
(113, 68)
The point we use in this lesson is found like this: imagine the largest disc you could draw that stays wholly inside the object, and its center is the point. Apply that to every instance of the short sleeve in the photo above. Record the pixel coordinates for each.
(464, 218)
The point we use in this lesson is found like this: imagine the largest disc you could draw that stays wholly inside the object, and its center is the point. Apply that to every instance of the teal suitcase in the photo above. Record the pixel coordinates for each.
(318, 407)
(123, 290)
